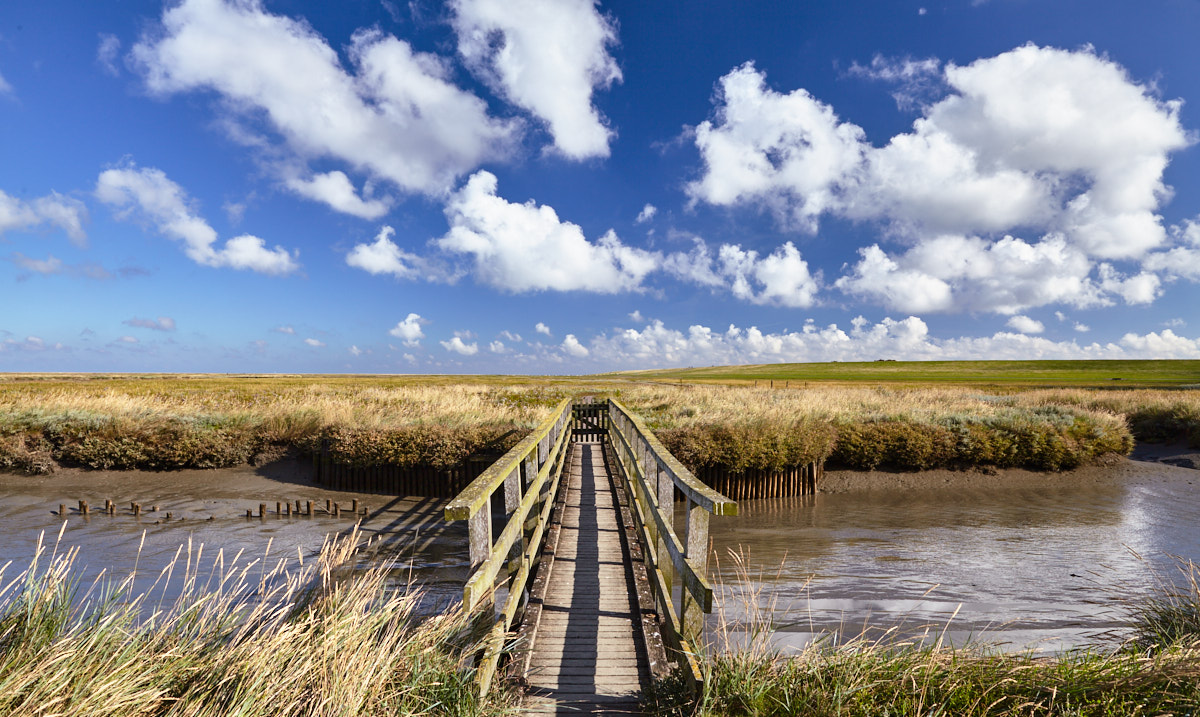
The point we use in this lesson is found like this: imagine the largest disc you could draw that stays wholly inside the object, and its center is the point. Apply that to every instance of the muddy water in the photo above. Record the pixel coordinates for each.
(1045, 567)
(208, 523)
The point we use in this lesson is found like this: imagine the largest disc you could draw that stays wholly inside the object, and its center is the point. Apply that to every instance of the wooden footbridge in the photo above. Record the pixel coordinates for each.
(582, 585)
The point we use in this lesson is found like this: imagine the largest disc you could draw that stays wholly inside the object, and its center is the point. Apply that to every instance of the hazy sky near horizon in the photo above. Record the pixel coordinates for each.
(562, 186)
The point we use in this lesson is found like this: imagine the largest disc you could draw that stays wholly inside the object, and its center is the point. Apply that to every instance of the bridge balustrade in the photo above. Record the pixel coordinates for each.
(653, 477)
(529, 476)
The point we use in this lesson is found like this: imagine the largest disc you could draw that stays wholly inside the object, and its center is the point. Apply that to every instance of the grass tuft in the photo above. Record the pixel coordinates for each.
(887, 676)
(251, 638)
(1170, 618)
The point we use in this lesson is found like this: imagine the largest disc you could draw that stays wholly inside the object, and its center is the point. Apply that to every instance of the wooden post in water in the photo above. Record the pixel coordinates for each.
(262, 510)
(62, 509)
(308, 508)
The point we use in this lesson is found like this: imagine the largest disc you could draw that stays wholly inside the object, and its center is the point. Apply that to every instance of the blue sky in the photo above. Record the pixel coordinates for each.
(561, 186)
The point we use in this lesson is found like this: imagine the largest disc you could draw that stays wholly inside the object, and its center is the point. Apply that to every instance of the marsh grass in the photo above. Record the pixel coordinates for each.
(251, 637)
(888, 675)
(207, 422)
(178, 423)
(1170, 616)
(871, 427)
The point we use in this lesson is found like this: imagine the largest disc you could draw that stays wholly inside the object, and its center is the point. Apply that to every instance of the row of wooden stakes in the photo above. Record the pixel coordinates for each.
(110, 508)
(286, 510)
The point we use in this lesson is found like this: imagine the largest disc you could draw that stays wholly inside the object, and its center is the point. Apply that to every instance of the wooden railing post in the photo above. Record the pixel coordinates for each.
(696, 553)
(529, 475)
(655, 476)
(662, 484)
(513, 492)
(479, 535)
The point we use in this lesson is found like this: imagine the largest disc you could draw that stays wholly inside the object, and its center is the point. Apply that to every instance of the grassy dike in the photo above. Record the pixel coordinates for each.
(246, 640)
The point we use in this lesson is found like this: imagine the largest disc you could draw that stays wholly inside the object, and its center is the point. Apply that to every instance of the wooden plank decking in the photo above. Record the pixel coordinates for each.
(587, 651)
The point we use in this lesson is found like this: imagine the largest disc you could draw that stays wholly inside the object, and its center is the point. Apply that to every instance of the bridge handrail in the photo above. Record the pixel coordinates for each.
(652, 477)
(475, 496)
(542, 455)
(691, 486)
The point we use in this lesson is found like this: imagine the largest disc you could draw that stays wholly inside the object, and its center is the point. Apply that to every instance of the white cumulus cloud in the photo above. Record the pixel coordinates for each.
(152, 195)
(458, 346)
(315, 343)
(66, 213)
(526, 247)
(572, 347)
(781, 278)
(383, 256)
(542, 328)
(1060, 144)
(646, 214)
(335, 189)
(957, 273)
(789, 152)
(546, 56)
(409, 330)
(1025, 325)
(1182, 260)
(658, 345)
(394, 114)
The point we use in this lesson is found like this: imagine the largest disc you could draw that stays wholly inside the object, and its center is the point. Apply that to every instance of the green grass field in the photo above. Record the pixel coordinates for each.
(1016, 374)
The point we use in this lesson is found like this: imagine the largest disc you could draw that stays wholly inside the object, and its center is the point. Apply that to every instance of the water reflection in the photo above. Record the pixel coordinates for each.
(1046, 567)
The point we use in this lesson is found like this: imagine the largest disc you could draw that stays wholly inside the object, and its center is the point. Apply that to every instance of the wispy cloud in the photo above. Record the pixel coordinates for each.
(152, 195)
(162, 323)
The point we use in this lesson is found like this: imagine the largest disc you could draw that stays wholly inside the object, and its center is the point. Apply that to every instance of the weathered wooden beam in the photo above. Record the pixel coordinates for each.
(668, 550)
(475, 496)
(695, 490)
(481, 582)
(696, 540)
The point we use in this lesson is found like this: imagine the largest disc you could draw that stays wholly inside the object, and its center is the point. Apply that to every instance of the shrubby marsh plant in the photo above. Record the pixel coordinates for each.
(201, 422)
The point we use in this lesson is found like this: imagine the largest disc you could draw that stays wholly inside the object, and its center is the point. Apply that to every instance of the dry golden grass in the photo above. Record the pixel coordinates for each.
(253, 637)
(747, 674)
(208, 421)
